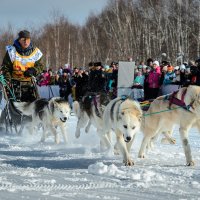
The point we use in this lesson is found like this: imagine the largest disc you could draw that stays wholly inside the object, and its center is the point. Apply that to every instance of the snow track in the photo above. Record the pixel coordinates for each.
(77, 171)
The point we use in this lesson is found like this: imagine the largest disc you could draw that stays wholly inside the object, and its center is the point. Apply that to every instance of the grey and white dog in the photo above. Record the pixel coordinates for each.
(50, 113)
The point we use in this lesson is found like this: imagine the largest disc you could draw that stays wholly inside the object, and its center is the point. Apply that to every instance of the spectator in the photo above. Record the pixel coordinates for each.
(44, 78)
(153, 81)
(64, 85)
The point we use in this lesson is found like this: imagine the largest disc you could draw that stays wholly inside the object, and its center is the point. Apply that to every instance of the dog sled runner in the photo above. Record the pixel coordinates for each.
(11, 119)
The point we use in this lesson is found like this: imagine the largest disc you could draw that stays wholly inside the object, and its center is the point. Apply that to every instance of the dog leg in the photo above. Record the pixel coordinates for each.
(143, 147)
(82, 120)
(44, 133)
(168, 138)
(123, 149)
(87, 128)
(105, 143)
(186, 146)
(64, 133)
(53, 130)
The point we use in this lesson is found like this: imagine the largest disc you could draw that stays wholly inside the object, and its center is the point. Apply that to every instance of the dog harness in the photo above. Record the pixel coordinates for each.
(122, 99)
(179, 102)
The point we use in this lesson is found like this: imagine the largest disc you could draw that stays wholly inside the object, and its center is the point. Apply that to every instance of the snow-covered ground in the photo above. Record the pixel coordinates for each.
(78, 171)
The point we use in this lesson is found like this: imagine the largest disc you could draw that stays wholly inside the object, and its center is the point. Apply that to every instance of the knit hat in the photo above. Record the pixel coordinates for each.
(170, 68)
(24, 34)
(182, 67)
(156, 63)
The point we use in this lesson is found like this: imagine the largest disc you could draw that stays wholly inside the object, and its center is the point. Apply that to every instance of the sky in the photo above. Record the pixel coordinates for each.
(34, 13)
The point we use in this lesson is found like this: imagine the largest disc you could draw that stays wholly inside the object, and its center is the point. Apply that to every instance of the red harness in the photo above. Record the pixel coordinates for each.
(173, 100)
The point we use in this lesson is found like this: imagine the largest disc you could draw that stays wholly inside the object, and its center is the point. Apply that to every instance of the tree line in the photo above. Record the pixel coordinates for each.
(139, 29)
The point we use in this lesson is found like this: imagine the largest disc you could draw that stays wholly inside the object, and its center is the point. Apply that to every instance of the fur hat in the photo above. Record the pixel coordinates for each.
(91, 64)
(97, 64)
(24, 34)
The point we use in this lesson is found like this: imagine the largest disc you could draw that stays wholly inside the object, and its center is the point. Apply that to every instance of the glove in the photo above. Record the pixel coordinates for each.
(30, 72)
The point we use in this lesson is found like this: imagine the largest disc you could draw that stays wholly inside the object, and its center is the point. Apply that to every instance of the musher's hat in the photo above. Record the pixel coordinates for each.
(24, 34)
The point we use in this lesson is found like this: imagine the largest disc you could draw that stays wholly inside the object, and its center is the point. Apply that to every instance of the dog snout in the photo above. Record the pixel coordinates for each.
(65, 118)
(128, 138)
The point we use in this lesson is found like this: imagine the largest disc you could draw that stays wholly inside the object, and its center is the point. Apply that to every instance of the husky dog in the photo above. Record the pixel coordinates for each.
(50, 113)
(186, 116)
(123, 116)
(90, 111)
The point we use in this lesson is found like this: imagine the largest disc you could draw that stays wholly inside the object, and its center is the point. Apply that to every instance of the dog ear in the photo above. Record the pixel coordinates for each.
(193, 106)
(140, 118)
(52, 107)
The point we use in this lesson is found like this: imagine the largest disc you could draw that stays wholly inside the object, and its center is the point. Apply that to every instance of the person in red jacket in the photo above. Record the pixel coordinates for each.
(153, 80)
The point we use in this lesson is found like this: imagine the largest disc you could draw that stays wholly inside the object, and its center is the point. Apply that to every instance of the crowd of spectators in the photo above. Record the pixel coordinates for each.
(150, 79)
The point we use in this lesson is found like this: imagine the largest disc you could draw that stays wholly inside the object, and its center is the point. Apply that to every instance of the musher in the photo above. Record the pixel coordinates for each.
(21, 64)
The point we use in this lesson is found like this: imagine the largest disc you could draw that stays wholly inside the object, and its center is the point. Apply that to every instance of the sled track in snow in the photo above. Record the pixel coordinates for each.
(56, 187)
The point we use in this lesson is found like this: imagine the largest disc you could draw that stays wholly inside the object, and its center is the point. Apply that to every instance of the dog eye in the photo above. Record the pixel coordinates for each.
(61, 111)
(122, 113)
(125, 126)
(133, 127)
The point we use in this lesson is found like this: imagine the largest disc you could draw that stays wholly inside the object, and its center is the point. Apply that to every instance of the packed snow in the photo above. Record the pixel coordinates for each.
(78, 170)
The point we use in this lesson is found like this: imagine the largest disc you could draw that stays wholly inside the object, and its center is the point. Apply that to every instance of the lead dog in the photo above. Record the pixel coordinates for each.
(124, 117)
(169, 115)
(50, 113)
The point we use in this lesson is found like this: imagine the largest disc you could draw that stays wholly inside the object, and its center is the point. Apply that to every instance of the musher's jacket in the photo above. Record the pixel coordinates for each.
(17, 61)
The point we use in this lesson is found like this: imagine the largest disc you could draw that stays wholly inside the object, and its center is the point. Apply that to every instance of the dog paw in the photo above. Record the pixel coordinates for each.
(173, 141)
(191, 163)
(57, 140)
(87, 129)
(167, 141)
(128, 162)
(116, 152)
(77, 134)
(141, 156)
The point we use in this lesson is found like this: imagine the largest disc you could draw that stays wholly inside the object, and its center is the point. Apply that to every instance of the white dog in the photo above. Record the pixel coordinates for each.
(124, 117)
(50, 113)
(160, 118)
(90, 112)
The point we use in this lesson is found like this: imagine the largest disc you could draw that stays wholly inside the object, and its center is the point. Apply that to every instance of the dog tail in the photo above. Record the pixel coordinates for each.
(76, 108)
(24, 108)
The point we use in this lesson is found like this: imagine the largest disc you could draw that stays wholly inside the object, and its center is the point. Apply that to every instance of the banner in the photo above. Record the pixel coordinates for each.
(48, 91)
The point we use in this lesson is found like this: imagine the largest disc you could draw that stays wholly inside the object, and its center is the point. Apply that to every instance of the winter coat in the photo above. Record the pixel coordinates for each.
(44, 79)
(65, 87)
(96, 81)
(153, 79)
(7, 65)
(169, 77)
(81, 82)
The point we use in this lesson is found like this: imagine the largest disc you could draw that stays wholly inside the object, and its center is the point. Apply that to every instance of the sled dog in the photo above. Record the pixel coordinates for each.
(50, 113)
(124, 117)
(90, 111)
(169, 114)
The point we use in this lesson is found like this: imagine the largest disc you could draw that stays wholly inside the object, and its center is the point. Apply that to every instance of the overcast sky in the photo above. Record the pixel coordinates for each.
(25, 13)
